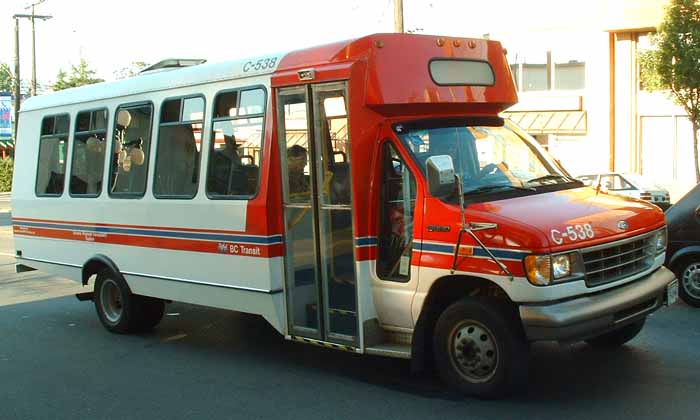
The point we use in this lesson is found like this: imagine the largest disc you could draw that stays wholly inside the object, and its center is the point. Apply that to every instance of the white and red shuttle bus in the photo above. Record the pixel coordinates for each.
(363, 195)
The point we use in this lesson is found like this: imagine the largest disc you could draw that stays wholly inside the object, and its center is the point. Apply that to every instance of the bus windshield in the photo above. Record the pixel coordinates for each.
(487, 158)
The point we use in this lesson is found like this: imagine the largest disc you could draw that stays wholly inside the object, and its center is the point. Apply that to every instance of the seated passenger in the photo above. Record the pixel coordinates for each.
(225, 171)
(296, 162)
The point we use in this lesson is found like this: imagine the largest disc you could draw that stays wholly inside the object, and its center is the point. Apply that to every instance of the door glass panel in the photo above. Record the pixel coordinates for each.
(301, 260)
(334, 153)
(320, 252)
(398, 199)
(335, 211)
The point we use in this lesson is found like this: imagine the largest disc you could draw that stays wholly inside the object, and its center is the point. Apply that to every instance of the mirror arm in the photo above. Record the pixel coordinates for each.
(470, 229)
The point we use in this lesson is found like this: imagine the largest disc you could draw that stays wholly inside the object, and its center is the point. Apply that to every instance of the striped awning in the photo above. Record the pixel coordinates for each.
(551, 122)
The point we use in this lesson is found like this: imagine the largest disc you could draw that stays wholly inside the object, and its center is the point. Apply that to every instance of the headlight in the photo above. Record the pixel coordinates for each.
(543, 270)
(660, 241)
(561, 266)
(538, 269)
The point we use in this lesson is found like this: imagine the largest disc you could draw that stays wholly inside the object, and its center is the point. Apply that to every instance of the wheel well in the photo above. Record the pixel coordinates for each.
(677, 261)
(96, 264)
(444, 292)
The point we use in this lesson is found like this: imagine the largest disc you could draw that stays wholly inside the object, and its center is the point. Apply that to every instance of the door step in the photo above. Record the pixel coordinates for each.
(400, 351)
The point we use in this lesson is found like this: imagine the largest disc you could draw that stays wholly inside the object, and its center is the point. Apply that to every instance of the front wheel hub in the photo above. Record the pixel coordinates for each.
(691, 280)
(474, 351)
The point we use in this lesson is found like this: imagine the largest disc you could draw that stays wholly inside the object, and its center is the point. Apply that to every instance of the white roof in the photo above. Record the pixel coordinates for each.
(187, 76)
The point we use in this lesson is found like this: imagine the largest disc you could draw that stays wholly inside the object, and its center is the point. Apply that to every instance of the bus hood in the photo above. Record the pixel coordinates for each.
(570, 219)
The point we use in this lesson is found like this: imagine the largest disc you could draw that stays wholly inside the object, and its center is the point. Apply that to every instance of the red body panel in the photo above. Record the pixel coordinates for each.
(388, 82)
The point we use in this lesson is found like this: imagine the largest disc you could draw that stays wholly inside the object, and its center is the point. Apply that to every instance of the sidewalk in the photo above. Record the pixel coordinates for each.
(5, 206)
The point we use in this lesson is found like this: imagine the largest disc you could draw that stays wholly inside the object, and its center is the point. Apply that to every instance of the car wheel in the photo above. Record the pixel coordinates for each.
(688, 273)
(119, 310)
(480, 348)
(617, 337)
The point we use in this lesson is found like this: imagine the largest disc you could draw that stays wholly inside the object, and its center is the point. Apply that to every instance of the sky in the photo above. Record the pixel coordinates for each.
(111, 34)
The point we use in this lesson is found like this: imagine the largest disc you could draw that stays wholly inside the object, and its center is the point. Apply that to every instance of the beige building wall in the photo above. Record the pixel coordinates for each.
(626, 129)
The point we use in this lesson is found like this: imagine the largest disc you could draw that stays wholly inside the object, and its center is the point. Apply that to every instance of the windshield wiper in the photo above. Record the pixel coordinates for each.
(488, 188)
(551, 177)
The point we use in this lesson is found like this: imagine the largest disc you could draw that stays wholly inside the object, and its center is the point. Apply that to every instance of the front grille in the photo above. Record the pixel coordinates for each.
(607, 263)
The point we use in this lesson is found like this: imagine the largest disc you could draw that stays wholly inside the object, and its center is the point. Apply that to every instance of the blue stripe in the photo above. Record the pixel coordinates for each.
(262, 240)
(449, 249)
(478, 252)
(506, 255)
(372, 240)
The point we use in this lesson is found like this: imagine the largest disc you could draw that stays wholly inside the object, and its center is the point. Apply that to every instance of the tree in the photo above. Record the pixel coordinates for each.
(80, 75)
(673, 63)
(131, 70)
(6, 78)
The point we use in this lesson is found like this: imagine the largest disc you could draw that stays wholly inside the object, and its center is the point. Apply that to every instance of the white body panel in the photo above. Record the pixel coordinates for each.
(248, 284)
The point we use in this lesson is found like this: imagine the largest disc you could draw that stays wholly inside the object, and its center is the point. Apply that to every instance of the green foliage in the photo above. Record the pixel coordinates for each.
(131, 70)
(673, 63)
(6, 78)
(6, 168)
(80, 75)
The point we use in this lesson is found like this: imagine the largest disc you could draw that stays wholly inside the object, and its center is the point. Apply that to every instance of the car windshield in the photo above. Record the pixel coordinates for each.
(488, 157)
(642, 182)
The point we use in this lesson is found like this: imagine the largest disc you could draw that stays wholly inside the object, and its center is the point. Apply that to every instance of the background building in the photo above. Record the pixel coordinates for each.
(580, 95)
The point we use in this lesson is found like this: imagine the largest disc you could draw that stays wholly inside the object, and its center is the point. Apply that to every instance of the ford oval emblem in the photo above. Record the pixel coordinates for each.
(622, 225)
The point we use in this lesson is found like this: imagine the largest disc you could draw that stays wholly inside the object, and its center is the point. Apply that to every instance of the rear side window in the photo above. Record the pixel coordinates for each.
(179, 145)
(89, 146)
(236, 144)
(130, 151)
(51, 168)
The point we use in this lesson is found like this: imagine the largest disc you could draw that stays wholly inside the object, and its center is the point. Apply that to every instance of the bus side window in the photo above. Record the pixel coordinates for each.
(178, 150)
(89, 144)
(51, 166)
(397, 206)
(236, 144)
(130, 150)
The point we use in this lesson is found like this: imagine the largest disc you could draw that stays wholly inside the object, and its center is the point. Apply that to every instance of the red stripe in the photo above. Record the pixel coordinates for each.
(366, 253)
(231, 248)
(176, 229)
(471, 264)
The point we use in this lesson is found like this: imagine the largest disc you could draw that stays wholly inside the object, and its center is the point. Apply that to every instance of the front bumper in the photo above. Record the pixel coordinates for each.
(592, 315)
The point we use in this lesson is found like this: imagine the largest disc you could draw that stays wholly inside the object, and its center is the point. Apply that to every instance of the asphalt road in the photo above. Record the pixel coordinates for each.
(57, 362)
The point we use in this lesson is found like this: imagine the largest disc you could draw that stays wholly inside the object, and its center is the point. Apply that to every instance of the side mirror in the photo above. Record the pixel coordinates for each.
(441, 176)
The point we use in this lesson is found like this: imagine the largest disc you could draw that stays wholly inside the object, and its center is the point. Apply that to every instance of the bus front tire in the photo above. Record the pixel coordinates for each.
(121, 311)
(480, 348)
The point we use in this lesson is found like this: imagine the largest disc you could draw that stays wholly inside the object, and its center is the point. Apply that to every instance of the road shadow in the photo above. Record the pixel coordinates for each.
(561, 373)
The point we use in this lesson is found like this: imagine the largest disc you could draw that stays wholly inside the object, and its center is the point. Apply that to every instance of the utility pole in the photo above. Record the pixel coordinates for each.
(33, 17)
(16, 78)
(398, 16)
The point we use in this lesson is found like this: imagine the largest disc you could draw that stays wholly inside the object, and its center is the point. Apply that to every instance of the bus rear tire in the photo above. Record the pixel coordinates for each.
(480, 348)
(119, 310)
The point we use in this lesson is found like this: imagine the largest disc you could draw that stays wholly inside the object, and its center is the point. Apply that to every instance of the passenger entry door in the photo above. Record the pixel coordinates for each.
(319, 259)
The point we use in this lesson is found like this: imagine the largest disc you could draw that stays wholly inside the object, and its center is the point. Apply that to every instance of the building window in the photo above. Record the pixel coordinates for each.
(570, 75)
(179, 146)
(236, 144)
(89, 145)
(130, 151)
(547, 72)
(535, 77)
(51, 166)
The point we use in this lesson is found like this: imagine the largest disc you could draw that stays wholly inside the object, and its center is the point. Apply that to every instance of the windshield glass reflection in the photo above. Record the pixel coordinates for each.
(487, 158)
